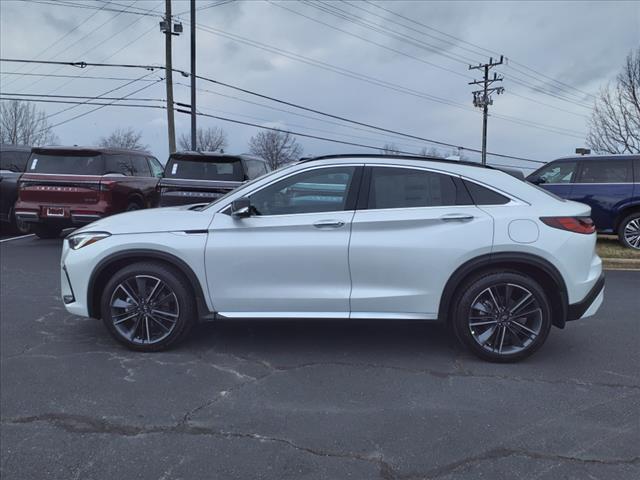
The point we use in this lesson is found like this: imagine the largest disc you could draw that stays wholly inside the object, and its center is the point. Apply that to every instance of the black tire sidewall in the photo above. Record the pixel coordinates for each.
(174, 280)
(621, 227)
(473, 288)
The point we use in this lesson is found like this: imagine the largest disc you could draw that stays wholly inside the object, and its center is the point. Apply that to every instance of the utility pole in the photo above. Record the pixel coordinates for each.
(166, 27)
(482, 98)
(193, 76)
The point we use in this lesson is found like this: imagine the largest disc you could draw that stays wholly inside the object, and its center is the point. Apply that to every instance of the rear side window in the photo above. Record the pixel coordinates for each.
(118, 164)
(392, 187)
(13, 161)
(66, 164)
(606, 171)
(255, 168)
(485, 196)
(139, 166)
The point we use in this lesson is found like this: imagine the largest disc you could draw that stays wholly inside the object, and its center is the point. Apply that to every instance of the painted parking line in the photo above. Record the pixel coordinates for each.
(17, 238)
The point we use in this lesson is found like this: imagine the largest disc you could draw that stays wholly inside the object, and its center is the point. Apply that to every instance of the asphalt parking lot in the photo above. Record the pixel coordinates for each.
(308, 399)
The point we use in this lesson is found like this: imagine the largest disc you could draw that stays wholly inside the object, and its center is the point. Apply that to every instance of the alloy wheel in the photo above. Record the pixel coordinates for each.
(144, 309)
(505, 318)
(632, 233)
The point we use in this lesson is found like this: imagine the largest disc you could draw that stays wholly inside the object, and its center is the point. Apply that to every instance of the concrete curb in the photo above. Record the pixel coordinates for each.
(621, 263)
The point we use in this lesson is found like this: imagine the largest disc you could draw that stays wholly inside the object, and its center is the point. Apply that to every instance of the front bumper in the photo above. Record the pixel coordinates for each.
(590, 304)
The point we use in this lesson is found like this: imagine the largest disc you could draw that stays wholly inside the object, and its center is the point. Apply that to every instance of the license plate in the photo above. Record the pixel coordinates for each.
(55, 212)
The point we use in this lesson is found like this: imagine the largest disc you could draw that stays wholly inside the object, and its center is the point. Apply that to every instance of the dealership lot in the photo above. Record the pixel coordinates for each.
(308, 399)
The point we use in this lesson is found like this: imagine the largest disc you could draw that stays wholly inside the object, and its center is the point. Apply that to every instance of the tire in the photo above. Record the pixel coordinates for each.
(21, 227)
(132, 207)
(47, 231)
(140, 324)
(629, 231)
(499, 334)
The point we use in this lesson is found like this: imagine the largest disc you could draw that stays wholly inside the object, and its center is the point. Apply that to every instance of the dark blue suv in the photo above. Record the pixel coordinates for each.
(609, 184)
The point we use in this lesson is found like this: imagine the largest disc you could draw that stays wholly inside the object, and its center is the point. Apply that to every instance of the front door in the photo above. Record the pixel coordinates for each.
(290, 257)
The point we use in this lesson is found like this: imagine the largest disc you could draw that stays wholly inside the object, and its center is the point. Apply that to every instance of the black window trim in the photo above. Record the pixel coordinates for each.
(458, 180)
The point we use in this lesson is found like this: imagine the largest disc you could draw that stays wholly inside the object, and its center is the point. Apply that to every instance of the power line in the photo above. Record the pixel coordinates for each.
(84, 77)
(284, 102)
(85, 97)
(331, 9)
(460, 40)
(44, 100)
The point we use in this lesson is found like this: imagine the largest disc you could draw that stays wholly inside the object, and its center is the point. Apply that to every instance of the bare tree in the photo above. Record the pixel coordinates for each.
(276, 147)
(389, 149)
(431, 152)
(615, 121)
(24, 124)
(207, 140)
(124, 138)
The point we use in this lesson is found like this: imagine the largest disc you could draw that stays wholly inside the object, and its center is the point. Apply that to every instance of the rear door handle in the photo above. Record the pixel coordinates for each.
(328, 224)
(456, 217)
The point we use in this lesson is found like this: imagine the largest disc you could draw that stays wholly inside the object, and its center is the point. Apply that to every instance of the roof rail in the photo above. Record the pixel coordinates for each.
(402, 157)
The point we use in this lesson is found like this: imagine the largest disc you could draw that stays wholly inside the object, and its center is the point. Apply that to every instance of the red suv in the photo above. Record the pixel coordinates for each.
(71, 186)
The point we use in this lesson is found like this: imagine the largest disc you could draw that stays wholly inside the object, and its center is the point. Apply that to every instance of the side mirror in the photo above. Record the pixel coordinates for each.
(241, 207)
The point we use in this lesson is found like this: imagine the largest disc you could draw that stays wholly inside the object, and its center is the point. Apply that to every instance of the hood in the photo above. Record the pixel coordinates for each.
(169, 219)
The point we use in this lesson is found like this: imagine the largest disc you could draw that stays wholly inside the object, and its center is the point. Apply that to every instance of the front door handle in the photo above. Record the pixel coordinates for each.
(456, 217)
(328, 224)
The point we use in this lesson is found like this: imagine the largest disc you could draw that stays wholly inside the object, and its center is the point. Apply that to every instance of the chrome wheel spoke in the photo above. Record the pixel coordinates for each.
(137, 315)
(506, 324)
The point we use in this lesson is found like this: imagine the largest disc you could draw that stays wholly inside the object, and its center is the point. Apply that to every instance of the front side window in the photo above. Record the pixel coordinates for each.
(559, 172)
(606, 171)
(66, 164)
(314, 191)
(392, 187)
(156, 169)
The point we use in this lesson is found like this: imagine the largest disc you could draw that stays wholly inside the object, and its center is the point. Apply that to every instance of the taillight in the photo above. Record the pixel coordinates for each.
(106, 185)
(572, 224)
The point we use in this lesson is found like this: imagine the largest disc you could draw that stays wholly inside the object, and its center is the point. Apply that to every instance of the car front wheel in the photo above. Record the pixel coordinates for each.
(148, 306)
(629, 231)
(502, 316)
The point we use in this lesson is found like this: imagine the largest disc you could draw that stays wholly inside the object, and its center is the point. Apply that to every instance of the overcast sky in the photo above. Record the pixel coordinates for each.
(415, 68)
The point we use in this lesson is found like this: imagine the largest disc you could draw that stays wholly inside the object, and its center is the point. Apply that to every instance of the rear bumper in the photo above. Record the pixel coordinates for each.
(75, 215)
(589, 305)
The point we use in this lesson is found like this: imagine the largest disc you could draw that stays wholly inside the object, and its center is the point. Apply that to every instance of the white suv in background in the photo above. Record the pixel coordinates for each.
(347, 236)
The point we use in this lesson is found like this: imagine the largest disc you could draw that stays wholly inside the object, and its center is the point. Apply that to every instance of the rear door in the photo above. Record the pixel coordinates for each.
(605, 185)
(412, 229)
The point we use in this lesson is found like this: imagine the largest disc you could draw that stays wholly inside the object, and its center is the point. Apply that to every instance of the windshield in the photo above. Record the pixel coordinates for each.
(13, 161)
(204, 170)
(66, 164)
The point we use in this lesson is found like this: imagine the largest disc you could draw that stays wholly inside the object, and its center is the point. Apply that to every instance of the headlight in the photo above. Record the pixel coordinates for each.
(80, 240)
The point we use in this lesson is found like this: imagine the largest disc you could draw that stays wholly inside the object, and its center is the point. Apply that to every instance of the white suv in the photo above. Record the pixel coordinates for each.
(347, 236)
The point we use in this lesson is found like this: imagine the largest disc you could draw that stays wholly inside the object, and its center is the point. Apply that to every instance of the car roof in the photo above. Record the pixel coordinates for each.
(395, 158)
(77, 150)
(600, 156)
(184, 154)
(7, 147)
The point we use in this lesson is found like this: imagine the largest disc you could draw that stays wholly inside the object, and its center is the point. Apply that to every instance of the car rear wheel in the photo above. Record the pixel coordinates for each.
(47, 231)
(502, 316)
(148, 306)
(629, 231)
(133, 206)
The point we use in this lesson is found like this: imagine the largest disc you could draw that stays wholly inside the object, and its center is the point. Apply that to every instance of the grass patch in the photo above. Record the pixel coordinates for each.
(609, 247)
